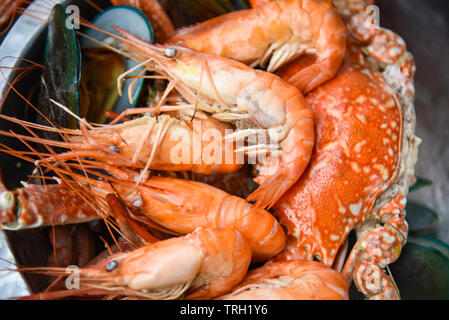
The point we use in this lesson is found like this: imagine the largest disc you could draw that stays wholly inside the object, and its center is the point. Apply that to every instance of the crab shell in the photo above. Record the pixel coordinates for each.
(357, 166)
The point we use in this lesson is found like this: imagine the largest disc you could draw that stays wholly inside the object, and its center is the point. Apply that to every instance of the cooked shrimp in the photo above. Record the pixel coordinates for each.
(291, 280)
(182, 206)
(157, 143)
(258, 102)
(202, 265)
(306, 37)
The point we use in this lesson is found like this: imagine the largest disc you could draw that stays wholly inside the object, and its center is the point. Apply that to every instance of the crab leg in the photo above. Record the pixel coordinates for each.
(375, 250)
(36, 205)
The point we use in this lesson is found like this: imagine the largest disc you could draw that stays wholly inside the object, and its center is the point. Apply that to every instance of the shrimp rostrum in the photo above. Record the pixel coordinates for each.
(259, 104)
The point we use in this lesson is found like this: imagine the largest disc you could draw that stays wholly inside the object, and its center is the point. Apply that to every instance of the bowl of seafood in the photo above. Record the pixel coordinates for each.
(212, 149)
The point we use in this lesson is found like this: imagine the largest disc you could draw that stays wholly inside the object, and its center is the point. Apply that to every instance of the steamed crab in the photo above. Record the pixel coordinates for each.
(362, 167)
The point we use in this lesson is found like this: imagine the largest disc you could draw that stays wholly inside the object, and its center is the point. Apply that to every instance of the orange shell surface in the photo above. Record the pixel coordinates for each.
(358, 127)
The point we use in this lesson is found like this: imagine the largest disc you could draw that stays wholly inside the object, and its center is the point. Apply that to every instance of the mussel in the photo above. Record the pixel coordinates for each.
(62, 74)
(104, 63)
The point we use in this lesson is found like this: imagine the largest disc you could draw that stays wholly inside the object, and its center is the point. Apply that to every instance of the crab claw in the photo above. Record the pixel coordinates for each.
(42, 205)
(7, 204)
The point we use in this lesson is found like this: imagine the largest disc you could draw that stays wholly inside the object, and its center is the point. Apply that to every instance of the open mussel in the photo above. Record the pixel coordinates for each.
(61, 77)
(98, 91)
(103, 66)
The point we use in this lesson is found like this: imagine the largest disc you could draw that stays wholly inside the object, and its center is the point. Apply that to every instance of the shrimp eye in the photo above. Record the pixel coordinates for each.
(170, 52)
(112, 265)
(138, 203)
(114, 148)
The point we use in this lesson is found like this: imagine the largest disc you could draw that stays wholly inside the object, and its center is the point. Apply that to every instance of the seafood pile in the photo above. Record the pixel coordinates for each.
(265, 139)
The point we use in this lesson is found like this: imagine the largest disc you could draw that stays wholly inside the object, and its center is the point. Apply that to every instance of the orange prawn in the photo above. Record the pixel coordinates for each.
(165, 142)
(257, 102)
(291, 280)
(178, 206)
(303, 40)
(202, 265)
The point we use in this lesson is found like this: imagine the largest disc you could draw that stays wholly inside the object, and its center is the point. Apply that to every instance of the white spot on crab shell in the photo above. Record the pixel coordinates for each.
(361, 99)
(355, 208)
(333, 252)
(366, 169)
(390, 151)
(389, 238)
(394, 124)
(386, 141)
(349, 112)
(291, 216)
(374, 101)
(403, 201)
(344, 148)
(355, 167)
(394, 137)
(358, 146)
(382, 170)
(395, 51)
(377, 252)
(334, 237)
(390, 103)
(383, 125)
(335, 113)
(331, 145)
(361, 117)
